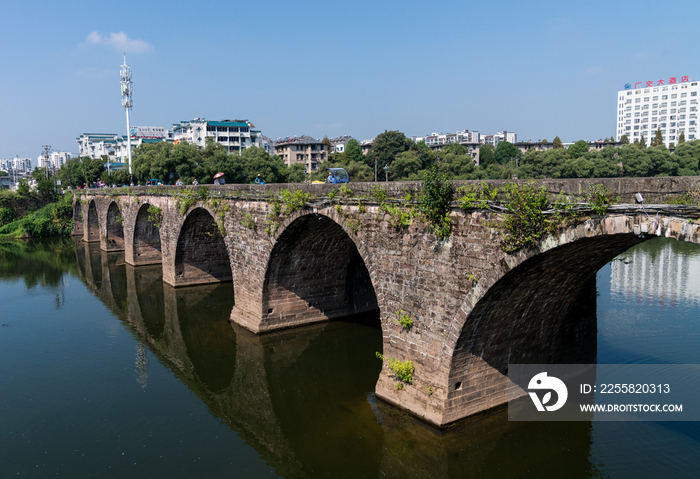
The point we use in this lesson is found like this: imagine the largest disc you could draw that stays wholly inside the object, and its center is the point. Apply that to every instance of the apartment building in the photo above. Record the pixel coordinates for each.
(235, 135)
(302, 149)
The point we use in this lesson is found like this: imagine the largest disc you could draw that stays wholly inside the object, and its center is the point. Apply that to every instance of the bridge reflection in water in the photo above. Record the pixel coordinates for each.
(302, 398)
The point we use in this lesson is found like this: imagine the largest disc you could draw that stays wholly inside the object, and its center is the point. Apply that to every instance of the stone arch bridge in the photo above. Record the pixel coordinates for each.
(475, 308)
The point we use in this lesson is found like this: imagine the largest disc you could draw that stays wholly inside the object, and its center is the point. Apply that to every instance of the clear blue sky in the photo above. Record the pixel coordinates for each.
(538, 68)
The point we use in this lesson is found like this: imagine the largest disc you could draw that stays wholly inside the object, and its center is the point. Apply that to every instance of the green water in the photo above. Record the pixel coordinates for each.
(106, 372)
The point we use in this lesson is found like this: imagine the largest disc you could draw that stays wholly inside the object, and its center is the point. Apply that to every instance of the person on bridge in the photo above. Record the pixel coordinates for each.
(195, 182)
(259, 180)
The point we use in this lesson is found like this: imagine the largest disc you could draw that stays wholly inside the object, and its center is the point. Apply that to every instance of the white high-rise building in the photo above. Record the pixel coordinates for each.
(669, 104)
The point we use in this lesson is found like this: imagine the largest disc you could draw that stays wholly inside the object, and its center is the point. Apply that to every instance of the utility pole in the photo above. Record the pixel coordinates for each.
(127, 103)
(46, 149)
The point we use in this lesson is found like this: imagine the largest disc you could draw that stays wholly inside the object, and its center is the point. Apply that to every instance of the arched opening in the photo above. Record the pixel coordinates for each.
(543, 311)
(147, 247)
(78, 219)
(315, 273)
(201, 256)
(93, 223)
(114, 240)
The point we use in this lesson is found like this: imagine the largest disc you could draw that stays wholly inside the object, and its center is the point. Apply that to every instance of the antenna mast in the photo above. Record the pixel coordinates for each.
(127, 103)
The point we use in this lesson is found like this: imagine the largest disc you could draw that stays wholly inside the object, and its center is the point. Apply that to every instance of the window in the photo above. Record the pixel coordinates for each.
(656, 98)
(693, 93)
(684, 94)
(653, 126)
(636, 108)
(646, 99)
(636, 115)
(663, 112)
(637, 100)
(664, 97)
(675, 95)
(628, 115)
(655, 105)
(646, 107)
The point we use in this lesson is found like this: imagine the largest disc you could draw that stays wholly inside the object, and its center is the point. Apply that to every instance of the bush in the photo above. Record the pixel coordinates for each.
(436, 200)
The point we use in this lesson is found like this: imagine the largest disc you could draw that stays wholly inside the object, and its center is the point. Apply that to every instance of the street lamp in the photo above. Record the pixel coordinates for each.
(386, 172)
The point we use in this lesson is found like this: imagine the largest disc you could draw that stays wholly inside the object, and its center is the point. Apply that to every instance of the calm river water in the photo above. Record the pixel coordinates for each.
(106, 372)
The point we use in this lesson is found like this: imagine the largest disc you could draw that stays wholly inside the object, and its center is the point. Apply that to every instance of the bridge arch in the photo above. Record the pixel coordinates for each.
(201, 255)
(147, 247)
(92, 232)
(538, 306)
(114, 228)
(316, 271)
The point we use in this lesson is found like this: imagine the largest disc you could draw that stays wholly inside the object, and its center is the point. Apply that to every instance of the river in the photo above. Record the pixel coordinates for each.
(107, 372)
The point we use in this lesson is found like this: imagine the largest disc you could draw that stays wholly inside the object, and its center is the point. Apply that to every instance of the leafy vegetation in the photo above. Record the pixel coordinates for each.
(54, 219)
(404, 319)
(155, 215)
(436, 200)
(403, 370)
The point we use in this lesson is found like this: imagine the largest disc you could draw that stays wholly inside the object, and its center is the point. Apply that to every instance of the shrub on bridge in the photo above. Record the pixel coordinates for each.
(436, 202)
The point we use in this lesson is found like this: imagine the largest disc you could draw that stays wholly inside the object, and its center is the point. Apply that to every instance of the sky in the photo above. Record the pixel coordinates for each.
(538, 68)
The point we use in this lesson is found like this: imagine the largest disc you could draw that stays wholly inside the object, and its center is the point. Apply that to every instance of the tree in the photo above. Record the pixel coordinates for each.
(406, 166)
(385, 148)
(681, 139)
(556, 144)
(486, 155)
(506, 152)
(353, 151)
(91, 169)
(642, 142)
(578, 149)
(658, 139)
(327, 142)
(624, 139)
(3, 173)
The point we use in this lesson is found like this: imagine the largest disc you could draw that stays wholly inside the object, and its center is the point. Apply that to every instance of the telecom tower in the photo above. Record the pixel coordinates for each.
(127, 102)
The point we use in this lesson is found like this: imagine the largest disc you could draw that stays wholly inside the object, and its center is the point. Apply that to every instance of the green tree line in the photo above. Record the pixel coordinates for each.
(407, 160)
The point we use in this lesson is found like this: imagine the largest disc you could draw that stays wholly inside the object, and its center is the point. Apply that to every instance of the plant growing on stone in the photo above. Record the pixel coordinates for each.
(378, 193)
(345, 191)
(404, 319)
(403, 370)
(477, 196)
(599, 198)
(436, 202)
(249, 222)
(525, 223)
(398, 216)
(155, 215)
(354, 225)
(294, 200)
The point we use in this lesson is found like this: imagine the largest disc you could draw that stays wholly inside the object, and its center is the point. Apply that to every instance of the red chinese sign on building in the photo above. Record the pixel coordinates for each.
(650, 83)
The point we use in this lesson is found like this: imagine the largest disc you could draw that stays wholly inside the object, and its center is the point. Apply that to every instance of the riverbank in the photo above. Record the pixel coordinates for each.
(34, 216)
